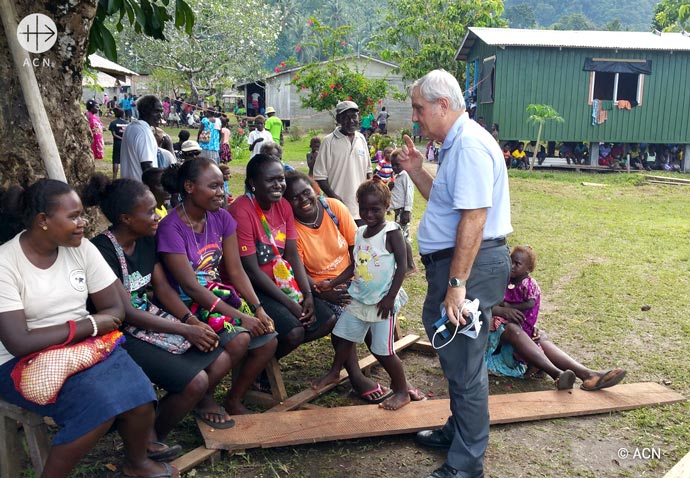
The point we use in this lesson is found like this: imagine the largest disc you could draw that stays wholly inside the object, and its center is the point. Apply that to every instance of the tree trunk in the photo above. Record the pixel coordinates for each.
(536, 148)
(59, 75)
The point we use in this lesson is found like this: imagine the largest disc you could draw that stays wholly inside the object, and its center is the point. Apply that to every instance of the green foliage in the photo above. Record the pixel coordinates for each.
(322, 85)
(225, 45)
(145, 16)
(521, 16)
(378, 142)
(632, 14)
(238, 144)
(672, 15)
(540, 114)
(574, 21)
(424, 35)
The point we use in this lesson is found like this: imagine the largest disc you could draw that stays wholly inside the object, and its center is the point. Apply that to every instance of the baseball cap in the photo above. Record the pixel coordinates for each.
(189, 146)
(344, 106)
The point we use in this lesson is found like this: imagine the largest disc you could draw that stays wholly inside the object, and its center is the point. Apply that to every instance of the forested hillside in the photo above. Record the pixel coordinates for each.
(602, 14)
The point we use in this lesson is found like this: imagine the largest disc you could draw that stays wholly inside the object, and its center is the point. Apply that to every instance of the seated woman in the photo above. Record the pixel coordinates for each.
(515, 342)
(196, 242)
(47, 273)
(325, 239)
(267, 240)
(186, 375)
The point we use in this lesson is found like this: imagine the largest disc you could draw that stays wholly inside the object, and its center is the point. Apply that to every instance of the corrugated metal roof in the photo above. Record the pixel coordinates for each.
(103, 64)
(573, 39)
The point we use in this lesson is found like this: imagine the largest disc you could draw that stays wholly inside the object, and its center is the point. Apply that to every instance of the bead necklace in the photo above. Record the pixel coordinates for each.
(192, 227)
(313, 223)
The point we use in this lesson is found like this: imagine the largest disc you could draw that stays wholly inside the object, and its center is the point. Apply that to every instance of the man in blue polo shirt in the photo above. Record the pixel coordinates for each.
(462, 242)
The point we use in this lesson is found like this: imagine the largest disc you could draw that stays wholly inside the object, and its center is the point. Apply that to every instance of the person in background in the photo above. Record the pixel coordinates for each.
(225, 169)
(416, 133)
(343, 161)
(519, 157)
(117, 129)
(139, 146)
(258, 135)
(182, 136)
(47, 274)
(366, 125)
(166, 155)
(225, 152)
(494, 131)
(314, 145)
(126, 106)
(382, 121)
(274, 125)
(92, 113)
(208, 136)
(402, 200)
(462, 240)
(152, 179)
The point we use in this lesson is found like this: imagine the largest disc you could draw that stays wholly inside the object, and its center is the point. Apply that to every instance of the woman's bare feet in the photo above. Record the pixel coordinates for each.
(396, 401)
(235, 407)
(208, 410)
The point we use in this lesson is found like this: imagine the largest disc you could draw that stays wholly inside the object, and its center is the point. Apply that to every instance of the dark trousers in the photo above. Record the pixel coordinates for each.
(463, 359)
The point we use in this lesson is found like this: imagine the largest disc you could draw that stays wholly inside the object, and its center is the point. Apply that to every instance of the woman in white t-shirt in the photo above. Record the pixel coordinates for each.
(47, 273)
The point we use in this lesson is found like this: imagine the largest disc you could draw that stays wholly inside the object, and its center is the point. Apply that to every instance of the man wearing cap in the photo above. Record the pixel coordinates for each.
(190, 149)
(343, 161)
(274, 125)
(139, 147)
(462, 242)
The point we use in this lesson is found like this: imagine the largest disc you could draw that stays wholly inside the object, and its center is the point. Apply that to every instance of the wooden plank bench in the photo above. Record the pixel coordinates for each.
(36, 432)
(341, 423)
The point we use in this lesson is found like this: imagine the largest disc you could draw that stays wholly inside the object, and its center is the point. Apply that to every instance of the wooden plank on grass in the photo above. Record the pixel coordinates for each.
(681, 469)
(342, 423)
(198, 455)
(310, 394)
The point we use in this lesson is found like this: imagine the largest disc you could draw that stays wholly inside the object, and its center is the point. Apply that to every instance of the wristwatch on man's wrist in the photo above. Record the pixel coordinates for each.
(455, 282)
(254, 307)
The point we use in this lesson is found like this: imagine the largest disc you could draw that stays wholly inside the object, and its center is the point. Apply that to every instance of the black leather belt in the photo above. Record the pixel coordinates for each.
(448, 253)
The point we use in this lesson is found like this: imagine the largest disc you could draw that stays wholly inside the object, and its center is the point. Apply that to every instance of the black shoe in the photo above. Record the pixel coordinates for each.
(446, 471)
(432, 438)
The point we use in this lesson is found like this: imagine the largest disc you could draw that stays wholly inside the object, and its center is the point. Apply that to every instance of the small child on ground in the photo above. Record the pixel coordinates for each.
(515, 342)
(225, 169)
(402, 199)
(379, 266)
(384, 170)
(314, 145)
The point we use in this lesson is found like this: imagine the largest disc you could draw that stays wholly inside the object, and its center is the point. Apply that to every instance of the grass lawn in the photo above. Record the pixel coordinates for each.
(604, 255)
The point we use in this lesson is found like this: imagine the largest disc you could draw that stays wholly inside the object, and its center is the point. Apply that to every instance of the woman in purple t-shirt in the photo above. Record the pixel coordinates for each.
(195, 241)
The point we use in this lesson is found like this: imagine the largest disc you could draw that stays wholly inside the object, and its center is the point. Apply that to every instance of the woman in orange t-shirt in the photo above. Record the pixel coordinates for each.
(326, 237)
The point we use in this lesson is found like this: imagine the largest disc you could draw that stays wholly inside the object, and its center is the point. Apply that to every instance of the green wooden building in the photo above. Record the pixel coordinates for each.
(640, 79)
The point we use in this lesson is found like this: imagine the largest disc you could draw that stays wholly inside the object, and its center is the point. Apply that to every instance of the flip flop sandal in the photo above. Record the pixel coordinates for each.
(217, 425)
(606, 380)
(416, 395)
(165, 454)
(565, 380)
(368, 395)
(165, 474)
